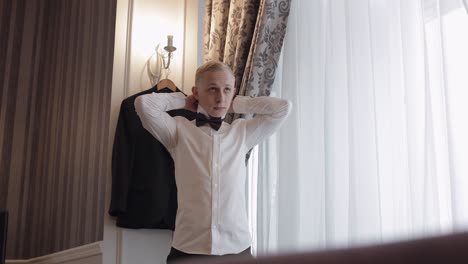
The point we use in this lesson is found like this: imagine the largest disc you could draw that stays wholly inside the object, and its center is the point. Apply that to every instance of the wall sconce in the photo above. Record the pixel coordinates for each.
(161, 61)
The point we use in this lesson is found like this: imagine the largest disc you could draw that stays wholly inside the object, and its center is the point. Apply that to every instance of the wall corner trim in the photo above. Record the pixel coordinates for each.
(73, 254)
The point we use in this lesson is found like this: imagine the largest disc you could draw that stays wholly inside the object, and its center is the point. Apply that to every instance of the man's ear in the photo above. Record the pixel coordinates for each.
(195, 92)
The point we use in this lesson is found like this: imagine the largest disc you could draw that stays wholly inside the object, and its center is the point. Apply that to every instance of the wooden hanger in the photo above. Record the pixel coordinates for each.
(166, 83)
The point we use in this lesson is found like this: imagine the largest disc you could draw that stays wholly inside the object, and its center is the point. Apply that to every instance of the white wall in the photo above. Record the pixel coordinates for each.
(140, 26)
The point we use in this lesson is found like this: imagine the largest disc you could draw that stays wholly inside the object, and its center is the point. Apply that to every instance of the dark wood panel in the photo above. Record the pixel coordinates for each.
(56, 77)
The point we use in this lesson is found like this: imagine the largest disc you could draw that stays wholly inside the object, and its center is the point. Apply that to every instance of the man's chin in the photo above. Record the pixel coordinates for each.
(219, 114)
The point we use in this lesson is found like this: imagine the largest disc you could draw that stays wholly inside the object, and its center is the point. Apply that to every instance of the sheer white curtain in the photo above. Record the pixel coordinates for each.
(374, 149)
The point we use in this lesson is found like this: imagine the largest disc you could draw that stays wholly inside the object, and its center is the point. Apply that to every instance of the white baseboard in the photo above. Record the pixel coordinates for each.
(85, 252)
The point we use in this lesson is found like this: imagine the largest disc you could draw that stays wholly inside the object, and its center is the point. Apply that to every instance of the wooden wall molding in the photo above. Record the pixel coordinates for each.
(84, 253)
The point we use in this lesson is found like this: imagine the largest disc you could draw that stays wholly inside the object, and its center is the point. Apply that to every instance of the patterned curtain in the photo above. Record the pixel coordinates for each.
(247, 35)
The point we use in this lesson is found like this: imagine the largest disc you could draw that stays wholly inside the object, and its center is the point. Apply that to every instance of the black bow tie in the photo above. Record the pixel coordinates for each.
(214, 122)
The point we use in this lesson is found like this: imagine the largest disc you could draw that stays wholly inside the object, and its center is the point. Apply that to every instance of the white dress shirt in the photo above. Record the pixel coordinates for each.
(210, 168)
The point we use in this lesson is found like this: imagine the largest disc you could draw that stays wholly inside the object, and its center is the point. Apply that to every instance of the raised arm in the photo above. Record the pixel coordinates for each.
(270, 113)
(151, 108)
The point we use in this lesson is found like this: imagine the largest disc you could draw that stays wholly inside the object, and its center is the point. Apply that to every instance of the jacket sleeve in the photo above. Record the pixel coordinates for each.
(122, 153)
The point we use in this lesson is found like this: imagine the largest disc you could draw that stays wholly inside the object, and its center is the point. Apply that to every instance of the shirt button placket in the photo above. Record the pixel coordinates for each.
(215, 194)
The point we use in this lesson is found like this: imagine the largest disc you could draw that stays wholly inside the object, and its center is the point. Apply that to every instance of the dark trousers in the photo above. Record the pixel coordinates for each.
(177, 255)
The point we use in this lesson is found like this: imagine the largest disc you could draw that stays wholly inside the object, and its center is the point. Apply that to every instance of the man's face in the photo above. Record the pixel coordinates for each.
(214, 92)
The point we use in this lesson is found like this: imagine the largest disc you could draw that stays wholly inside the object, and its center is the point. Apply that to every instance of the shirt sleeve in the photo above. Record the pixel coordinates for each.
(270, 113)
(151, 108)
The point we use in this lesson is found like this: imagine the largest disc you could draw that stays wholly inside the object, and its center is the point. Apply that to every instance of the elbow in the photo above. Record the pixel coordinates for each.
(289, 106)
(286, 108)
(143, 102)
(283, 108)
(139, 104)
(141, 108)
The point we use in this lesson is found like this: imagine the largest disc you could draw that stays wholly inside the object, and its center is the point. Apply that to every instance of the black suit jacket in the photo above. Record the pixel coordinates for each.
(144, 193)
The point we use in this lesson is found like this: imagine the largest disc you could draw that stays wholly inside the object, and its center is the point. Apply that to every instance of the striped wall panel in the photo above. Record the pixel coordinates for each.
(55, 77)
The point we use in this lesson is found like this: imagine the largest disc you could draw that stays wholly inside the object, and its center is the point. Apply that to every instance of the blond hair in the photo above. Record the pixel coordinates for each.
(211, 66)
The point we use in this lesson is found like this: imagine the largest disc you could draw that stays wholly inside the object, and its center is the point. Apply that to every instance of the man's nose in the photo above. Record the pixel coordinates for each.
(220, 97)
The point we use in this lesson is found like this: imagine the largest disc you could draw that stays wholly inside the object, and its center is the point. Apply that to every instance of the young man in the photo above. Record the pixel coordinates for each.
(209, 158)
